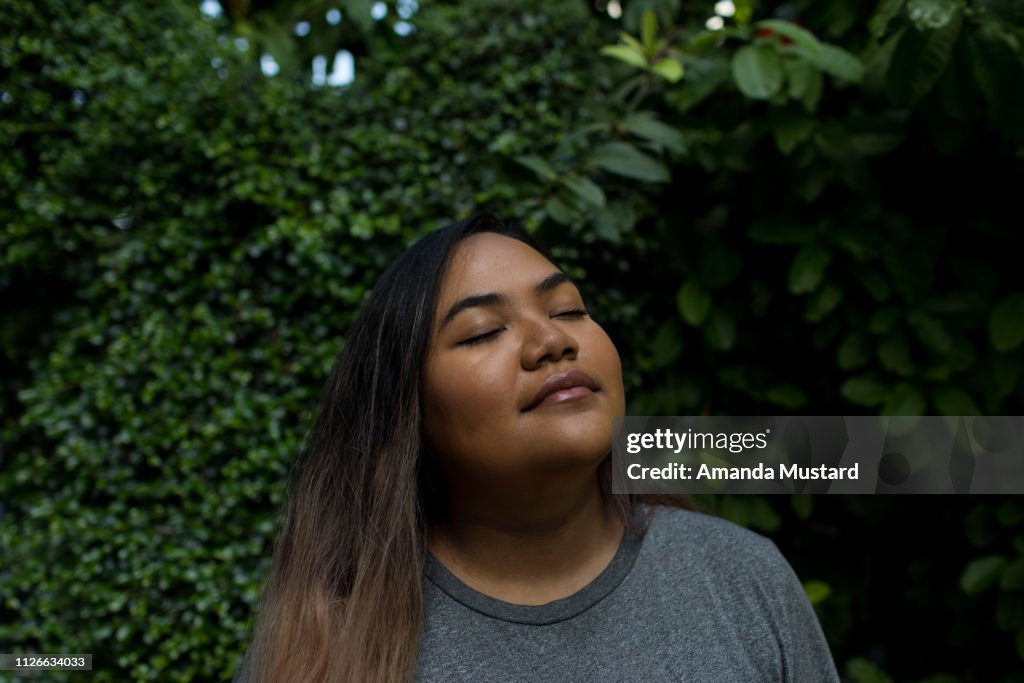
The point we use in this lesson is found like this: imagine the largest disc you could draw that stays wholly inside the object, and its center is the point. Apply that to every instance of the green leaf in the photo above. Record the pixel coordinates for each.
(632, 42)
(720, 330)
(625, 53)
(981, 574)
(586, 189)
(839, 63)
(802, 504)
(1013, 576)
(537, 165)
(624, 159)
(693, 303)
(883, 16)
(703, 79)
(560, 211)
(800, 36)
(808, 268)
(931, 332)
(919, 60)
(1006, 323)
(824, 301)
(798, 76)
(812, 95)
(875, 284)
(791, 131)
(817, 591)
(787, 396)
(757, 70)
(649, 30)
(895, 354)
(669, 69)
(932, 14)
(863, 391)
(667, 344)
(853, 352)
(954, 401)
(883, 319)
(860, 670)
(645, 125)
(905, 400)
(617, 219)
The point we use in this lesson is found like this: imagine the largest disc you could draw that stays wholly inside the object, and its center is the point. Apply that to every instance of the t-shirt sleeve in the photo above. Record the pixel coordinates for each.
(805, 652)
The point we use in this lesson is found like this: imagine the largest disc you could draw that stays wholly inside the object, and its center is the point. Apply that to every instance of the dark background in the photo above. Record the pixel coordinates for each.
(768, 219)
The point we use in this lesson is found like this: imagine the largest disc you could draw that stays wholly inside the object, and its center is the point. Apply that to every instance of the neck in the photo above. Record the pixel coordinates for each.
(528, 544)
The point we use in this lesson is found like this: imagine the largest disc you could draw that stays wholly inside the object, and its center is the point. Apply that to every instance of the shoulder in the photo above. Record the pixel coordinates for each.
(696, 539)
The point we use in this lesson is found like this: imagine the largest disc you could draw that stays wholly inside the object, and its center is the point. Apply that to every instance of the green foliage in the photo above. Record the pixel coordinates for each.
(779, 215)
(185, 244)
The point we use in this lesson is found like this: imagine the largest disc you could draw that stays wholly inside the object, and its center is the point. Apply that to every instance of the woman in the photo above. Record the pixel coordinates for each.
(451, 517)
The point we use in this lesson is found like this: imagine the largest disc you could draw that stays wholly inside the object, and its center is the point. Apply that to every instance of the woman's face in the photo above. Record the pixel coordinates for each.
(519, 380)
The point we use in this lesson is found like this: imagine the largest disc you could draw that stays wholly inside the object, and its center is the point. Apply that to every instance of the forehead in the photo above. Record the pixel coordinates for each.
(487, 262)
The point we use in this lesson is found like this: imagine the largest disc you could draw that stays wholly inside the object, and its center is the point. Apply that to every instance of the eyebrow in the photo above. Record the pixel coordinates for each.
(491, 298)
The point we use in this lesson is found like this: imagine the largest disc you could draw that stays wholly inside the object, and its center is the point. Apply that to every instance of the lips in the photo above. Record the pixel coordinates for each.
(563, 387)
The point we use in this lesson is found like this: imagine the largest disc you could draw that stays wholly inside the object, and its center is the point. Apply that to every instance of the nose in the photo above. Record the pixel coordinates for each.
(546, 341)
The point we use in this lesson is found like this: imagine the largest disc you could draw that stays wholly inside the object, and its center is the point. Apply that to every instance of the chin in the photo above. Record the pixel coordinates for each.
(575, 446)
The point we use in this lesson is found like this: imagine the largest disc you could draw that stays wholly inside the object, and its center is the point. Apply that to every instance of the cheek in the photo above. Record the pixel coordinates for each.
(606, 357)
(465, 403)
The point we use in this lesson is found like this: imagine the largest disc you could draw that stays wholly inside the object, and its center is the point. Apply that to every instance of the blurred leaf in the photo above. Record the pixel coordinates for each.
(649, 30)
(586, 190)
(791, 132)
(801, 36)
(1013, 576)
(802, 504)
(625, 53)
(624, 159)
(808, 268)
(1006, 323)
(863, 391)
(645, 125)
(883, 319)
(839, 63)
(823, 302)
(981, 574)
(932, 14)
(693, 303)
(854, 352)
(787, 396)
(667, 344)
(560, 211)
(669, 69)
(895, 354)
(886, 11)
(919, 59)
(757, 71)
(906, 400)
(817, 591)
(537, 165)
(860, 670)
(931, 332)
(720, 330)
(954, 401)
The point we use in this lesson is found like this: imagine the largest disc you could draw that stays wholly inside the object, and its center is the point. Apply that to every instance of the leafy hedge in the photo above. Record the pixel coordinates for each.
(790, 219)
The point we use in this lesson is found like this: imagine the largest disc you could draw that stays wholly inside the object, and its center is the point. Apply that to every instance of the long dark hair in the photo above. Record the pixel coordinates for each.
(343, 597)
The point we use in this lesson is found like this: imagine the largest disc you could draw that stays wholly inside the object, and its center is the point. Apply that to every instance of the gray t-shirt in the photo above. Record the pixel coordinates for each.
(696, 598)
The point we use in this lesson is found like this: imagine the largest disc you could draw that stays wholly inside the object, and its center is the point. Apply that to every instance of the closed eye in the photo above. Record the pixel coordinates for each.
(575, 313)
(481, 337)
